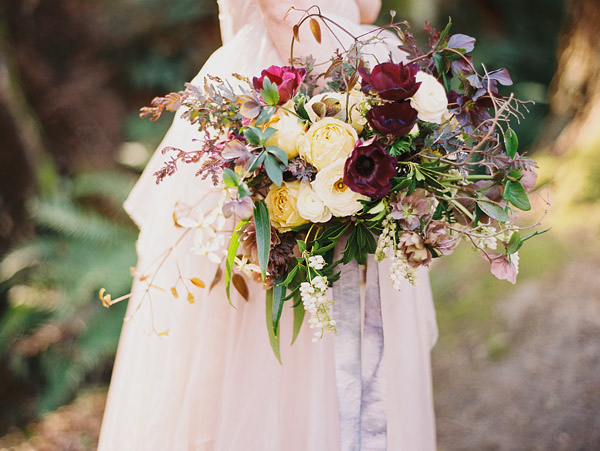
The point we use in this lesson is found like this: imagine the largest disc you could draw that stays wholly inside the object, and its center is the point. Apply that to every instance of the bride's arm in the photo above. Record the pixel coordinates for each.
(369, 10)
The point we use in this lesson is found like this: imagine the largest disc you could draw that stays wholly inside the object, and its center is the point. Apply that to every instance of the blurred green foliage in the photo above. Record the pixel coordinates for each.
(54, 332)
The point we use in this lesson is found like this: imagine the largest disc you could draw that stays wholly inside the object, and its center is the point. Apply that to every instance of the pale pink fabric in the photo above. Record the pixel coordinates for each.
(213, 382)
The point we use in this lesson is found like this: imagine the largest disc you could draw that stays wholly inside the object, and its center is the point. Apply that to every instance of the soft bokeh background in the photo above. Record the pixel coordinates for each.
(515, 368)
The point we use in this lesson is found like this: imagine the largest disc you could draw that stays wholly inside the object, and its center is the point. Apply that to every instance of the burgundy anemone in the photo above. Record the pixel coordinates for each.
(391, 81)
(286, 78)
(369, 169)
(395, 118)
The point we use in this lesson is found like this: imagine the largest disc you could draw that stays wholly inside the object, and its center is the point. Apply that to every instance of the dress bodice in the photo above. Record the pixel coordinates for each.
(235, 14)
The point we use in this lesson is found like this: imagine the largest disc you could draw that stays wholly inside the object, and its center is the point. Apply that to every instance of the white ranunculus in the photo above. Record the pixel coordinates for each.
(326, 141)
(329, 186)
(430, 100)
(310, 206)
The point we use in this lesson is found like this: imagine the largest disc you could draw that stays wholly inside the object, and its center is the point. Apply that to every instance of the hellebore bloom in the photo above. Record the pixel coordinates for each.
(409, 210)
(391, 81)
(392, 118)
(286, 78)
(369, 169)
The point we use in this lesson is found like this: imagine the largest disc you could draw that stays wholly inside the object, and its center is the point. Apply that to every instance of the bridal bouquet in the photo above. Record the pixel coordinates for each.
(400, 159)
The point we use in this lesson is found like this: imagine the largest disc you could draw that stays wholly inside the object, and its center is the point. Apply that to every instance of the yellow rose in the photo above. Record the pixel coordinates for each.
(329, 186)
(326, 141)
(281, 203)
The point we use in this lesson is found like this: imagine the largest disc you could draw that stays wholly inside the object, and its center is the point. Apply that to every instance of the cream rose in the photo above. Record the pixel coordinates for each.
(281, 203)
(430, 100)
(289, 132)
(329, 186)
(326, 141)
(310, 206)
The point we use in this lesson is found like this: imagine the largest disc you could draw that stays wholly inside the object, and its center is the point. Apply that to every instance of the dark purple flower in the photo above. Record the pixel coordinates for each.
(470, 113)
(391, 81)
(369, 169)
(392, 118)
(286, 78)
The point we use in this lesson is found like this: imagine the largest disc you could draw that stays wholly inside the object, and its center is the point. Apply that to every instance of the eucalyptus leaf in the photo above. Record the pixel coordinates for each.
(298, 316)
(234, 243)
(278, 294)
(273, 335)
(263, 235)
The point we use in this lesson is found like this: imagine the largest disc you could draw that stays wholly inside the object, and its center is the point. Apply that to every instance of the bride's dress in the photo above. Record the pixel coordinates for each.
(213, 382)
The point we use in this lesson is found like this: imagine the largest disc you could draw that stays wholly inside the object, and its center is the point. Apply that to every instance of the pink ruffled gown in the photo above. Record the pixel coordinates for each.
(213, 382)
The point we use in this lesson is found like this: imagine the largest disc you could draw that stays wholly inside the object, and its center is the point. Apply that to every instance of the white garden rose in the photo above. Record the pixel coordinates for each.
(329, 186)
(430, 100)
(310, 206)
(326, 141)
(281, 203)
(289, 131)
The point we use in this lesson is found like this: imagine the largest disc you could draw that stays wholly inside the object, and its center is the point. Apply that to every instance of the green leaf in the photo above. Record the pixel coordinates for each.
(263, 235)
(267, 134)
(231, 252)
(290, 276)
(441, 70)
(278, 294)
(532, 234)
(273, 334)
(279, 153)
(230, 178)
(298, 316)
(273, 170)
(269, 92)
(494, 211)
(511, 142)
(253, 135)
(258, 160)
(444, 33)
(265, 114)
(514, 244)
(301, 246)
(516, 195)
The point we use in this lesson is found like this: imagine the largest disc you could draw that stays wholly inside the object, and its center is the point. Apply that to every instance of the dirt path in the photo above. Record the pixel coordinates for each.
(544, 393)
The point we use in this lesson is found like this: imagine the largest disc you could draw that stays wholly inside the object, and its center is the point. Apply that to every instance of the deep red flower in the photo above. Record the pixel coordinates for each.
(392, 118)
(391, 81)
(286, 78)
(369, 169)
